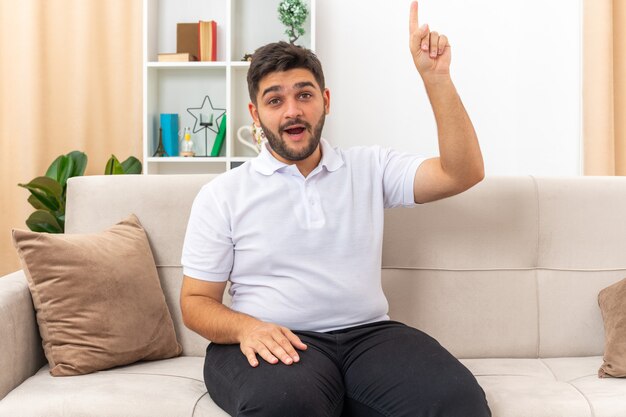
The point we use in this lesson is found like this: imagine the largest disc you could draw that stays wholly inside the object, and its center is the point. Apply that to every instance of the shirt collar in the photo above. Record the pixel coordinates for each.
(266, 164)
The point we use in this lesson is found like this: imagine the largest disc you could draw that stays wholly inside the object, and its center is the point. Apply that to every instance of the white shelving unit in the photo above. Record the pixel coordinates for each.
(173, 87)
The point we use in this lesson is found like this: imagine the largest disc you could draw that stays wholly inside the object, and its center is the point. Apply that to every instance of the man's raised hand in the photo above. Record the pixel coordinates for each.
(431, 51)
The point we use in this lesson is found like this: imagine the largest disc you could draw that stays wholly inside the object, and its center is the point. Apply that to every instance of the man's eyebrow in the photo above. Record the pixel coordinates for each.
(271, 90)
(275, 88)
(303, 84)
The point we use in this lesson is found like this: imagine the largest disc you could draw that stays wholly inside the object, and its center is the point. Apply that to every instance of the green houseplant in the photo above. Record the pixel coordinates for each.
(293, 13)
(47, 193)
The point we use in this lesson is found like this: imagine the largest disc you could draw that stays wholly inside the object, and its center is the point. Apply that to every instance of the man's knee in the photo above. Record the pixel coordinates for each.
(278, 400)
(463, 396)
(312, 387)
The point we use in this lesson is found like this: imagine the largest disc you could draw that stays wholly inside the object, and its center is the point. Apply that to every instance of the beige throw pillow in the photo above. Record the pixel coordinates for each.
(612, 301)
(98, 298)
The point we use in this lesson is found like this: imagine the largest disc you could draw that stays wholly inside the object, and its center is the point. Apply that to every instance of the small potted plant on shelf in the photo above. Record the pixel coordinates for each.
(293, 13)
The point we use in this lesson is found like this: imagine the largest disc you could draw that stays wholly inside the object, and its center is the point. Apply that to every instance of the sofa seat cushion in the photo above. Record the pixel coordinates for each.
(164, 388)
(554, 387)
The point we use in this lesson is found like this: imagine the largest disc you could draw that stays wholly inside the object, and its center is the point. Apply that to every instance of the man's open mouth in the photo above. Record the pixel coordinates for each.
(295, 130)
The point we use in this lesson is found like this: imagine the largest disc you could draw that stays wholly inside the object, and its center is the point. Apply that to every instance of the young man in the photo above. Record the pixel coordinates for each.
(298, 232)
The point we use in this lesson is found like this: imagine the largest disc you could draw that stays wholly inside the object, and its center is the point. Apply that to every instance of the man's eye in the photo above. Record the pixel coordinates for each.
(306, 95)
(273, 101)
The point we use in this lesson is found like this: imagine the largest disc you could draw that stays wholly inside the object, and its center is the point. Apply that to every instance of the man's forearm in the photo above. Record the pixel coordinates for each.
(214, 321)
(460, 154)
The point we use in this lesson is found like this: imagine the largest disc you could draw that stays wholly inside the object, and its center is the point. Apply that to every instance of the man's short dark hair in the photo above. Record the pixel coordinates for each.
(281, 56)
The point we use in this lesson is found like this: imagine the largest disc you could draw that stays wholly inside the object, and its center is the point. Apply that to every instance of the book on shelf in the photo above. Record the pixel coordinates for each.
(177, 57)
(219, 139)
(207, 40)
(187, 39)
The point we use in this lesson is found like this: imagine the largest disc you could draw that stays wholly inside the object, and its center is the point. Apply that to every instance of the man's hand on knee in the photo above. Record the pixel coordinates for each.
(271, 342)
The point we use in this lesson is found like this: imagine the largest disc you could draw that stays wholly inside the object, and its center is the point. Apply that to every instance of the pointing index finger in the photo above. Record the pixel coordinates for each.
(413, 19)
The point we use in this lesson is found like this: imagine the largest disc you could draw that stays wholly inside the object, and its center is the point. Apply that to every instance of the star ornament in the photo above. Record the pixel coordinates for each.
(204, 112)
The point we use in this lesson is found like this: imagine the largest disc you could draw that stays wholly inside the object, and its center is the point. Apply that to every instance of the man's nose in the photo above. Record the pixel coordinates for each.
(293, 109)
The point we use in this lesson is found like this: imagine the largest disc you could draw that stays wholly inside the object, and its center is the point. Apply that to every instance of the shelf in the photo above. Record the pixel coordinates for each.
(240, 64)
(190, 159)
(175, 90)
(175, 87)
(194, 64)
(245, 65)
(185, 167)
(247, 34)
(196, 159)
(161, 17)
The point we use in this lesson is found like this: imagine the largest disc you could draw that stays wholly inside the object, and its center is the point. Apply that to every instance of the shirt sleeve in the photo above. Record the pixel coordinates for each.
(398, 176)
(208, 247)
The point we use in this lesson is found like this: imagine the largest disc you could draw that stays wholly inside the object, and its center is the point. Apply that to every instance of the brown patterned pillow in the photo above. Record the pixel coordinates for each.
(98, 298)
(612, 301)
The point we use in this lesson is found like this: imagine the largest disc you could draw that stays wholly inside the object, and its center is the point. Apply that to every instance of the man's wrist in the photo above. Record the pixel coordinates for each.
(246, 325)
(436, 81)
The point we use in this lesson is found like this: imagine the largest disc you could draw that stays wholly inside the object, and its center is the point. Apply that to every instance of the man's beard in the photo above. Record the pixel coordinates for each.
(279, 145)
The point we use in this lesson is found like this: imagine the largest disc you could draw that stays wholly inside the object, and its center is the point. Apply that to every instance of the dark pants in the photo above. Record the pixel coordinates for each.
(379, 369)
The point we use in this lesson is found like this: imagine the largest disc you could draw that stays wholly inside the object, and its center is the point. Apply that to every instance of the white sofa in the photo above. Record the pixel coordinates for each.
(505, 275)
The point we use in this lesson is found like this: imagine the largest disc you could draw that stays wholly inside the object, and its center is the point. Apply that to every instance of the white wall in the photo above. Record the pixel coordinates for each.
(516, 65)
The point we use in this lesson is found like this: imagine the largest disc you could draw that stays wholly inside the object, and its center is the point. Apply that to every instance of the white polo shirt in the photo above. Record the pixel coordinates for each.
(304, 253)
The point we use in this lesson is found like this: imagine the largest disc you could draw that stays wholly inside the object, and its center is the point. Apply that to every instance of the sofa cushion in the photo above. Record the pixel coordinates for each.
(166, 388)
(550, 387)
(153, 198)
(98, 299)
(612, 301)
(556, 387)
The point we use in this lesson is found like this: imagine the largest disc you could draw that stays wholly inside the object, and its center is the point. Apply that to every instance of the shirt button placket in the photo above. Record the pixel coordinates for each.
(316, 208)
(306, 202)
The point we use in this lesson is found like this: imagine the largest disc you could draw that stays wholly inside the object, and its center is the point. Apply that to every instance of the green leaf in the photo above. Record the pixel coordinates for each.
(131, 165)
(53, 169)
(80, 163)
(65, 166)
(43, 221)
(38, 205)
(65, 172)
(47, 191)
(113, 167)
(61, 220)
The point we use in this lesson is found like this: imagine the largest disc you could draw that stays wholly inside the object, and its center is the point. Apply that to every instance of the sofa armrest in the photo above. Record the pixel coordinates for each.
(21, 353)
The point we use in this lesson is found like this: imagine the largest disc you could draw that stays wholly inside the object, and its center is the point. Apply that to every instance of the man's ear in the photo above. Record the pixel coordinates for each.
(254, 113)
(326, 100)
